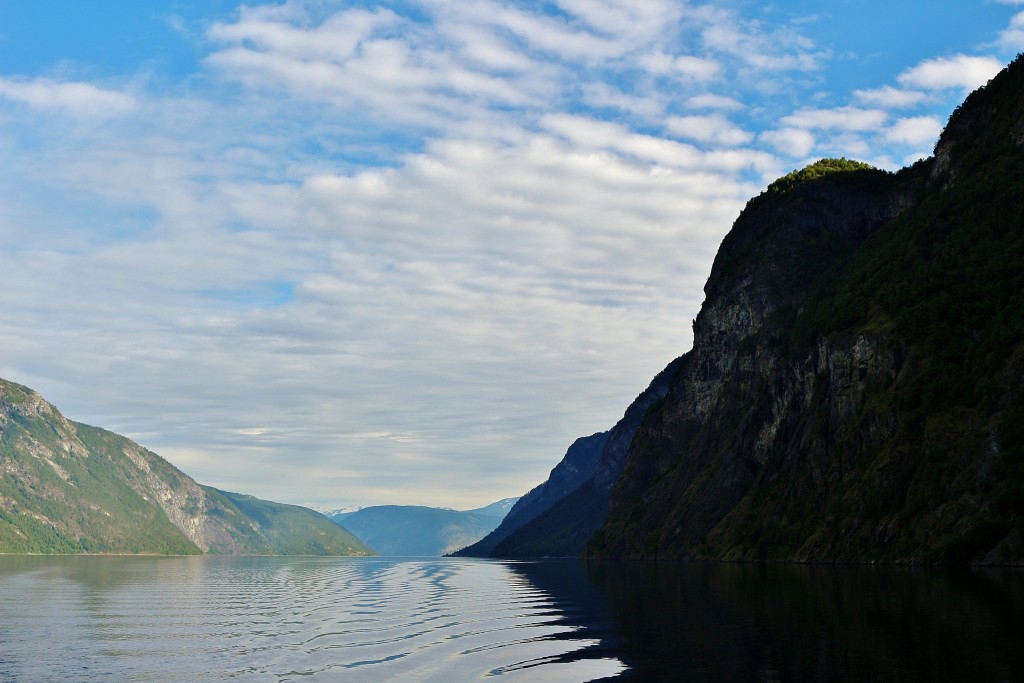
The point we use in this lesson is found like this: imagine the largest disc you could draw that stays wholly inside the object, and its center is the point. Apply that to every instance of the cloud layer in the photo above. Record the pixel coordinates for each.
(408, 253)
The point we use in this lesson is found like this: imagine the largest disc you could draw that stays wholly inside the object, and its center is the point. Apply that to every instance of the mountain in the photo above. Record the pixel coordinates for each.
(66, 487)
(556, 518)
(496, 509)
(855, 390)
(418, 530)
(576, 467)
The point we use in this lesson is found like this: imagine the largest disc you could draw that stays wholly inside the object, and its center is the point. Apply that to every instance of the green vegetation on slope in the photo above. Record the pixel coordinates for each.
(269, 528)
(71, 488)
(57, 497)
(947, 278)
(814, 171)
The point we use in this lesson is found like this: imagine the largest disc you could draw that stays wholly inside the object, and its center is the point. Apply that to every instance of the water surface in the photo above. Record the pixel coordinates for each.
(351, 619)
(452, 619)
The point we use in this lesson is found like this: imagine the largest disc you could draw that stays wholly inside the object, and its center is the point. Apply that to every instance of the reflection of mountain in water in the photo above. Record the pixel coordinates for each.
(579, 603)
(790, 623)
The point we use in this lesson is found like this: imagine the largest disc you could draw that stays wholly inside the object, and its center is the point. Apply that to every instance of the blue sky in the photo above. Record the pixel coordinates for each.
(360, 253)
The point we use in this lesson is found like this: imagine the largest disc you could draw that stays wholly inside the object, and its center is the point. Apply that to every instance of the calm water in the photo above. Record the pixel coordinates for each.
(452, 620)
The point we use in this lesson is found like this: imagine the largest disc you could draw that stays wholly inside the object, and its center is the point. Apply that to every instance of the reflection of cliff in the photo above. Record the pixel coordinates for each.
(790, 623)
(579, 601)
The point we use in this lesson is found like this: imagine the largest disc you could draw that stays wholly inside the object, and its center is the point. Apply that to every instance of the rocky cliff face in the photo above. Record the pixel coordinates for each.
(855, 391)
(66, 487)
(729, 404)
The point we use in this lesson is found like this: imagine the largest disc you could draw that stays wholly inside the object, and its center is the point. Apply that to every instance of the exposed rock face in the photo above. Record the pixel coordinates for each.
(732, 402)
(155, 481)
(853, 376)
(855, 391)
(66, 487)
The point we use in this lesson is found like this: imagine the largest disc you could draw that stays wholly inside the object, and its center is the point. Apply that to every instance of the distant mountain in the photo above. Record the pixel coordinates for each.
(498, 509)
(66, 487)
(418, 530)
(330, 512)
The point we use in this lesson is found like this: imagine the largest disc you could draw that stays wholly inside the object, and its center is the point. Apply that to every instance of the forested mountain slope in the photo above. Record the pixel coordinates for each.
(66, 487)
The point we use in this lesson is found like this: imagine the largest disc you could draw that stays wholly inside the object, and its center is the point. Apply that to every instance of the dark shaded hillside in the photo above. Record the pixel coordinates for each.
(576, 467)
(561, 514)
(66, 487)
(855, 391)
(856, 387)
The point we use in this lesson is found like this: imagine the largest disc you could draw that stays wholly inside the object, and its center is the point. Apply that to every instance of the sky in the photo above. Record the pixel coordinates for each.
(359, 253)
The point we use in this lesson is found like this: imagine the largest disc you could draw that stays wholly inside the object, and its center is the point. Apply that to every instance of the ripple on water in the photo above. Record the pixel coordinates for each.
(352, 619)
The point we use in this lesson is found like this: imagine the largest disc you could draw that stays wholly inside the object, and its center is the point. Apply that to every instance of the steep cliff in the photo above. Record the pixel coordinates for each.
(560, 515)
(855, 391)
(66, 487)
(578, 465)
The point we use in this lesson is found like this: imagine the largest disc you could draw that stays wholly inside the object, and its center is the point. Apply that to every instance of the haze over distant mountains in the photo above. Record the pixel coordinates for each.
(419, 530)
(66, 487)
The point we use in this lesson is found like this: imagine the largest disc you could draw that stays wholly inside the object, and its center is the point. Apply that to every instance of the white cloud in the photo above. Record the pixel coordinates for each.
(686, 67)
(422, 296)
(1012, 37)
(548, 34)
(792, 142)
(486, 48)
(711, 101)
(775, 49)
(72, 97)
(840, 118)
(602, 95)
(646, 18)
(603, 136)
(916, 130)
(355, 60)
(714, 129)
(960, 71)
(889, 97)
(335, 39)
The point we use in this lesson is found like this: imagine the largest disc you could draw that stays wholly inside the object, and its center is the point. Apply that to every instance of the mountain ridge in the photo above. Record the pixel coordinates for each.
(67, 487)
(419, 530)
